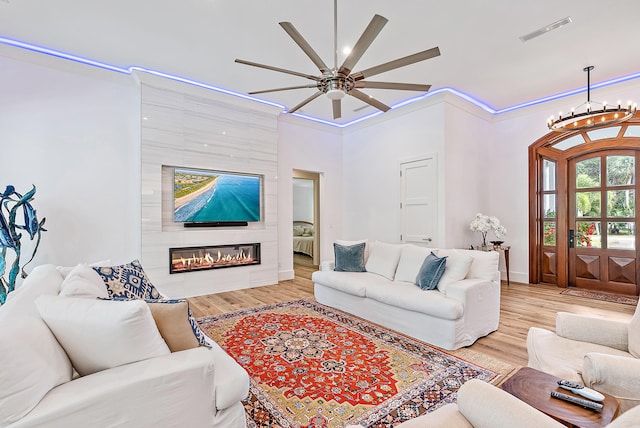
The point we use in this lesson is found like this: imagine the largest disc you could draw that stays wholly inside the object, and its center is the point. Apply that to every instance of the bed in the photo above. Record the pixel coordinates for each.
(303, 235)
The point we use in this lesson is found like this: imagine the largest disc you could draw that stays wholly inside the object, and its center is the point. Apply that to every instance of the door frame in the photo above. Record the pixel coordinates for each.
(550, 264)
(315, 177)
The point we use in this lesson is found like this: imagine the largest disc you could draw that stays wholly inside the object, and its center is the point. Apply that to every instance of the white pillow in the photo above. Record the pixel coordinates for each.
(458, 265)
(383, 259)
(485, 264)
(101, 334)
(31, 364)
(411, 259)
(83, 281)
(66, 270)
(367, 246)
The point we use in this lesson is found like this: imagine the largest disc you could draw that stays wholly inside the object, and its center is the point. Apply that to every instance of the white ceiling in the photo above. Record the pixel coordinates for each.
(482, 54)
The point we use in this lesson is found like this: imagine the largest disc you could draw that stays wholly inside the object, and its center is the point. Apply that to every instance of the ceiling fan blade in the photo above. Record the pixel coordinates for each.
(392, 85)
(282, 89)
(337, 109)
(401, 62)
(305, 102)
(306, 47)
(281, 70)
(363, 43)
(367, 99)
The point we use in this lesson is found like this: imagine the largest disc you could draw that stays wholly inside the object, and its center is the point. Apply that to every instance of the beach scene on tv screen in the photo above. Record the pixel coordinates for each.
(211, 196)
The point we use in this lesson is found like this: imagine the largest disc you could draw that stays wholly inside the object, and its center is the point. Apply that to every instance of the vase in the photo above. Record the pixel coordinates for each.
(484, 246)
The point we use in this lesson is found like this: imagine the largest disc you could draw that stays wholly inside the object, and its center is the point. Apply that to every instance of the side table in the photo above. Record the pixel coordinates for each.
(534, 388)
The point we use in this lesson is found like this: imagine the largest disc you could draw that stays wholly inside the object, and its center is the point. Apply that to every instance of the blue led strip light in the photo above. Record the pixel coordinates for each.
(472, 100)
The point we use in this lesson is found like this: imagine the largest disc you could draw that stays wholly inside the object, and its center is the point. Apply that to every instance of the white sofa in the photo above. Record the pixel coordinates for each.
(464, 307)
(198, 387)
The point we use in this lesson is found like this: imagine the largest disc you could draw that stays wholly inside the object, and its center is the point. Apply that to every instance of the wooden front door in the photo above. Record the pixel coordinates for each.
(602, 218)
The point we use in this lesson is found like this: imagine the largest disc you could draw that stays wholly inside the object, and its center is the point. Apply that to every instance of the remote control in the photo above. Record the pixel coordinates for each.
(576, 388)
(587, 404)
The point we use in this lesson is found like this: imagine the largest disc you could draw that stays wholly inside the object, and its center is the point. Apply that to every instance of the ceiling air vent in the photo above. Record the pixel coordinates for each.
(546, 29)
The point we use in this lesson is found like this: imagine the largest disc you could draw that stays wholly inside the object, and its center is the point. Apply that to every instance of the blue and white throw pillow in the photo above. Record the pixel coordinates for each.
(431, 271)
(127, 281)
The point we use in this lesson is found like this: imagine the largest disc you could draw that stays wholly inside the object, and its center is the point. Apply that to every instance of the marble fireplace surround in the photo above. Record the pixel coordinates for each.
(186, 126)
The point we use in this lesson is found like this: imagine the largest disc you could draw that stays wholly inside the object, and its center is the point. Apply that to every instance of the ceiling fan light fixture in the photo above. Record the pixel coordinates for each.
(335, 94)
(589, 116)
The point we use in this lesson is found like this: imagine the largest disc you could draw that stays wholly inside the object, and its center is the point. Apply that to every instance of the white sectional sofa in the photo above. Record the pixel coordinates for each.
(197, 387)
(464, 307)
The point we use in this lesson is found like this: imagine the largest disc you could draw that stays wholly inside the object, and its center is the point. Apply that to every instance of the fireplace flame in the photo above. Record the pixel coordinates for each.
(205, 258)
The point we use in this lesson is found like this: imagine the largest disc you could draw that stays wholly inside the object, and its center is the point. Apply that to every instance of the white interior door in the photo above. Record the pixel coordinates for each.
(418, 201)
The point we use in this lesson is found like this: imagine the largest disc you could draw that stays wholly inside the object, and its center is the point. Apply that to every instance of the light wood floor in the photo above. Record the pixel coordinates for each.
(522, 306)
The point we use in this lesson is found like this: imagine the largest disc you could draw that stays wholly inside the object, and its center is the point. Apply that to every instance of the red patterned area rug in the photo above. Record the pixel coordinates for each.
(600, 295)
(313, 366)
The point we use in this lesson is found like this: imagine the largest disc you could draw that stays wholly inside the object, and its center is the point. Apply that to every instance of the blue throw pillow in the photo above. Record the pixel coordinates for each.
(431, 271)
(127, 281)
(349, 258)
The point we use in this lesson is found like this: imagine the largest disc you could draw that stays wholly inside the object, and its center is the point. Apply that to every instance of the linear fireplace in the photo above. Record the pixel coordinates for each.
(189, 259)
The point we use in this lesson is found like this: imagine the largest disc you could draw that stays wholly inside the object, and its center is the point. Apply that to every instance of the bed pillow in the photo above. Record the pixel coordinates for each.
(83, 281)
(101, 334)
(411, 259)
(127, 281)
(349, 258)
(32, 363)
(383, 259)
(431, 271)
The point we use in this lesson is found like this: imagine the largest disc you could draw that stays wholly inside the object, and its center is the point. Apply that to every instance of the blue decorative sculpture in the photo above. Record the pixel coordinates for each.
(10, 202)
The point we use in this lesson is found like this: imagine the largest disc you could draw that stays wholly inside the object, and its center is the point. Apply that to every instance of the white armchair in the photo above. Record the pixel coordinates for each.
(601, 354)
(486, 406)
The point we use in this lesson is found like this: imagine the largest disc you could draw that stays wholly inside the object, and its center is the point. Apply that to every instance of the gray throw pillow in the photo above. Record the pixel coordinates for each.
(431, 271)
(349, 258)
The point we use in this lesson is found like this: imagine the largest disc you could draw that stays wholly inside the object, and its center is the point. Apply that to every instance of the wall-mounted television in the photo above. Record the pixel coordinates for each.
(215, 198)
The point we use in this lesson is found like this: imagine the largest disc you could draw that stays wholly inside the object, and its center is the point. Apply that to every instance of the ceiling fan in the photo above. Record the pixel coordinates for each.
(340, 81)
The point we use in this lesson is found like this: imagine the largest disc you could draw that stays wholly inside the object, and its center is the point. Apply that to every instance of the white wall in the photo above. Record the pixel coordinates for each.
(469, 169)
(371, 179)
(309, 147)
(72, 131)
(187, 126)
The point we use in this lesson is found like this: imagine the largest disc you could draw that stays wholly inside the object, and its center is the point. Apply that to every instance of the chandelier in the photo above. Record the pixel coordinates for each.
(591, 114)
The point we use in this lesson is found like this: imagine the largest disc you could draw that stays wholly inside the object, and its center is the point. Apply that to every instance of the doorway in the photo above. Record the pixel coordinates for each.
(306, 219)
(602, 221)
(583, 215)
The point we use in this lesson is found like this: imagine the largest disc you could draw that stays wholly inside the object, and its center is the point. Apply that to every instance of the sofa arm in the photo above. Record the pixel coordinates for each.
(174, 390)
(485, 405)
(615, 375)
(481, 301)
(327, 265)
(600, 331)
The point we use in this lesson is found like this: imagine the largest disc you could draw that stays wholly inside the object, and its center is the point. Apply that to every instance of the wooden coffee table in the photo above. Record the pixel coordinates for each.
(534, 388)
